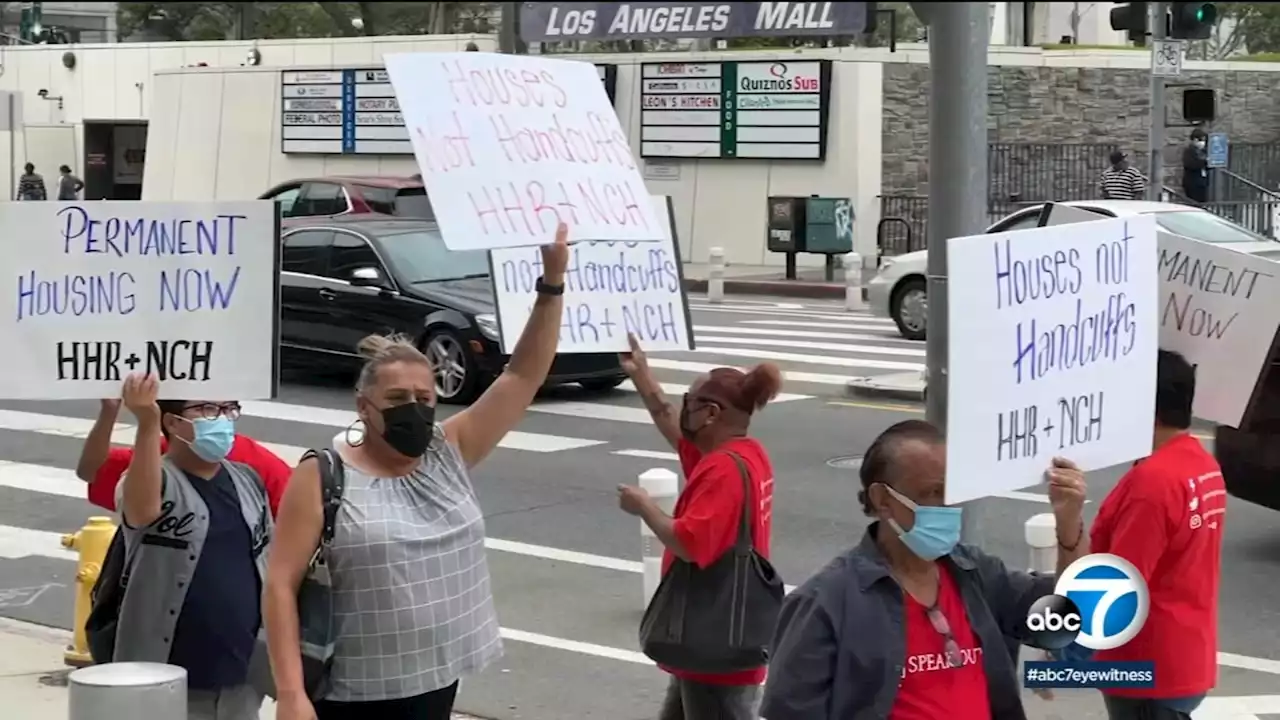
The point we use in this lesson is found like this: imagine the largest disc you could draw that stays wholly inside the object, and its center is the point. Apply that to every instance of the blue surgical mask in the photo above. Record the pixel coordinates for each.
(936, 530)
(213, 438)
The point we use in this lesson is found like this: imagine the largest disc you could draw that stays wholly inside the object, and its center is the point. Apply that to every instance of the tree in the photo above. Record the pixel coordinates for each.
(218, 21)
(1251, 27)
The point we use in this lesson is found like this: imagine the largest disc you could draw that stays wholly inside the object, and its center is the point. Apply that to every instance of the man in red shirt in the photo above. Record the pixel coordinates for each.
(709, 431)
(1166, 516)
(102, 466)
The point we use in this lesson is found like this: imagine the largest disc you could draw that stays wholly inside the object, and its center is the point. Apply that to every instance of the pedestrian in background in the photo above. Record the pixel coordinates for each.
(909, 623)
(412, 605)
(31, 185)
(102, 466)
(1166, 516)
(196, 529)
(69, 186)
(1195, 167)
(709, 433)
(1122, 181)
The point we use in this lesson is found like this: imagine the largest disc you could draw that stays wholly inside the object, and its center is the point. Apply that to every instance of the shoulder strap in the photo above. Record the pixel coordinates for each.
(745, 542)
(331, 486)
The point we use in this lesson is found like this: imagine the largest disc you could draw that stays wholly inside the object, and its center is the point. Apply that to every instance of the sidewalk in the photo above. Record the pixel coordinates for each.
(33, 678)
(768, 280)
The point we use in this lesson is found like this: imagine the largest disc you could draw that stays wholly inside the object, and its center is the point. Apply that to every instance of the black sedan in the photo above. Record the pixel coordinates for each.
(346, 277)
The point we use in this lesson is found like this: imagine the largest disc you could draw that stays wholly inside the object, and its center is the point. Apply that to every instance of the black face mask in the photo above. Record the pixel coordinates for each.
(408, 428)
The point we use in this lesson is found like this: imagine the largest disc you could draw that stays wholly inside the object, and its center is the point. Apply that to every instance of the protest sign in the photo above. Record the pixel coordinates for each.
(510, 146)
(611, 289)
(1052, 353)
(1220, 309)
(97, 290)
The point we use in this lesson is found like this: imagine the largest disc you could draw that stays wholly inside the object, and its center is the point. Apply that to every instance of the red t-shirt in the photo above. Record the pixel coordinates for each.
(273, 471)
(1165, 516)
(709, 511)
(930, 687)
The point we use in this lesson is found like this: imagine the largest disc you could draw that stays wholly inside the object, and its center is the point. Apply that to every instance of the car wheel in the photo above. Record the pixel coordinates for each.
(910, 309)
(601, 384)
(457, 378)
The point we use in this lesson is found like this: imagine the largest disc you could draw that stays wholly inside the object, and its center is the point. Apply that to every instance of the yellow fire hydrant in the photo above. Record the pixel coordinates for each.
(91, 542)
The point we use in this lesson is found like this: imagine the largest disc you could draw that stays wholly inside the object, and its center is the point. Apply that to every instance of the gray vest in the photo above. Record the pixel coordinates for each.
(161, 558)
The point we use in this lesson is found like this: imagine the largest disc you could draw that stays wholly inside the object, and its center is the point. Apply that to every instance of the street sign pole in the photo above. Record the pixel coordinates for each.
(958, 34)
(1166, 61)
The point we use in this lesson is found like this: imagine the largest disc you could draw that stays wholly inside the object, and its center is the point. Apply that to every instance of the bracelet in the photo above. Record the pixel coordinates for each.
(1076, 544)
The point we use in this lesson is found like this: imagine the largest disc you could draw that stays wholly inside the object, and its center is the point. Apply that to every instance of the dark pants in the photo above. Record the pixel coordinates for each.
(1119, 708)
(688, 700)
(435, 705)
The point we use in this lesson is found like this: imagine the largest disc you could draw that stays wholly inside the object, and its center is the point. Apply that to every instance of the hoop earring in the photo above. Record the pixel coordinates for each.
(360, 438)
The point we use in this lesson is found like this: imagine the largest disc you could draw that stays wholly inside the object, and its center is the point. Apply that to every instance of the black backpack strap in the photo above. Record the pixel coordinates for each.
(745, 542)
(332, 481)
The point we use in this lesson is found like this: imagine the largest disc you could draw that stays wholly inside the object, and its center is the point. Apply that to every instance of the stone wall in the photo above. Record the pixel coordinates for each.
(1057, 107)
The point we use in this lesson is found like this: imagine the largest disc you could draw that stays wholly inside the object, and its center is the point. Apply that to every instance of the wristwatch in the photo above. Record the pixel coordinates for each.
(543, 288)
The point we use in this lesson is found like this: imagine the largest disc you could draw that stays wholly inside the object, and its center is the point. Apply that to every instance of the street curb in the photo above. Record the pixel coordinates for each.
(867, 387)
(781, 288)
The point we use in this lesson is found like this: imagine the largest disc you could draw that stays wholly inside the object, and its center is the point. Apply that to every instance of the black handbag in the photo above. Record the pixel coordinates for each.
(720, 619)
(316, 628)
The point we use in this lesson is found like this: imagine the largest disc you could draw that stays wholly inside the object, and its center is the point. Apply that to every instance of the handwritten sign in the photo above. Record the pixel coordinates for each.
(1053, 352)
(510, 146)
(93, 291)
(611, 289)
(1220, 309)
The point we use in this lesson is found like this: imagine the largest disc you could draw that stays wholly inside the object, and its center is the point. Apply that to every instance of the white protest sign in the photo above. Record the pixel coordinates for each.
(1053, 352)
(1220, 309)
(611, 289)
(509, 146)
(97, 290)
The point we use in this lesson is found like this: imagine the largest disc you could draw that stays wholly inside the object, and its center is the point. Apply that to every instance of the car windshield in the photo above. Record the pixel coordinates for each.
(1206, 227)
(420, 256)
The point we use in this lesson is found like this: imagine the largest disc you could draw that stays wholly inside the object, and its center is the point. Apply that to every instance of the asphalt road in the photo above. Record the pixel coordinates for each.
(565, 560)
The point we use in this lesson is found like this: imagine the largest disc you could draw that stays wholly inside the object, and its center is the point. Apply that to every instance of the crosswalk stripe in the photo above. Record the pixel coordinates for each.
(649, 455)
(895, 337)
(677, 389)
(810, 345)
(787, 375)
(798, 313)
(811, 359)
(789, 332)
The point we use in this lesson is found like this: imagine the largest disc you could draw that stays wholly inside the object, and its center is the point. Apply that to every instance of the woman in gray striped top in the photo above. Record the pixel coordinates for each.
(412, 601)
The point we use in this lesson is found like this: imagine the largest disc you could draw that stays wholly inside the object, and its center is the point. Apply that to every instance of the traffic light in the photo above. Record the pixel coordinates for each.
(1192, 21)
(1131, 19)
(873, 11)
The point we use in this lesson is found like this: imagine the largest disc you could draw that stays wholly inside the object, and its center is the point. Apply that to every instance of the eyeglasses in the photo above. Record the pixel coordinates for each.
(211, 411)
(950, 647)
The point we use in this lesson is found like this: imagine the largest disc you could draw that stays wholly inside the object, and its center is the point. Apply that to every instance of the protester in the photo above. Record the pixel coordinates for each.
(31, 185)
(69, 186)
(710, 436)
(1122, 181)
(1195, 167)
(102, 465)
(412, 602)
(196, 528)
(897, 626)
(1165, 516)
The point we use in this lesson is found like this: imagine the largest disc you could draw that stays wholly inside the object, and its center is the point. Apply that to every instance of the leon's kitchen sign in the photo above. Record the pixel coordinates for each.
(751, 110)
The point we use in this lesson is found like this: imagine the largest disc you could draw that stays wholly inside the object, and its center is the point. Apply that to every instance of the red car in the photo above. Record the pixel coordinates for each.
(352, 195)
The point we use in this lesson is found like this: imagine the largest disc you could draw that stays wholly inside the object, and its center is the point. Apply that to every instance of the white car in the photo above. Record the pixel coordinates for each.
(898, 289)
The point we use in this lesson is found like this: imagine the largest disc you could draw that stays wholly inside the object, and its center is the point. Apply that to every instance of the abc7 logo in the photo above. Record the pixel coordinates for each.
(1114, 599)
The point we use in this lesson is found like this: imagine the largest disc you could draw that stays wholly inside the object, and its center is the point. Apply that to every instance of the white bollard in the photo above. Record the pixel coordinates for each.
(126, 691)
(853, 282)
(715, 276)
(1042, 536)
(663, 486)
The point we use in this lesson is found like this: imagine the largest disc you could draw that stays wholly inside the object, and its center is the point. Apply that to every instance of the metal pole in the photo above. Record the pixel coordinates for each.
(13, 146)
(1157, 14)
(957, 170)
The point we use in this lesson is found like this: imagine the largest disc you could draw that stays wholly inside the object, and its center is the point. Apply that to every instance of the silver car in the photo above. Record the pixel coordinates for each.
(898, 289)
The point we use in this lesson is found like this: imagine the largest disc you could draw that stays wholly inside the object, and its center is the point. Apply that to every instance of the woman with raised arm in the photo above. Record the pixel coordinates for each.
(412, 606)
(725, 470)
